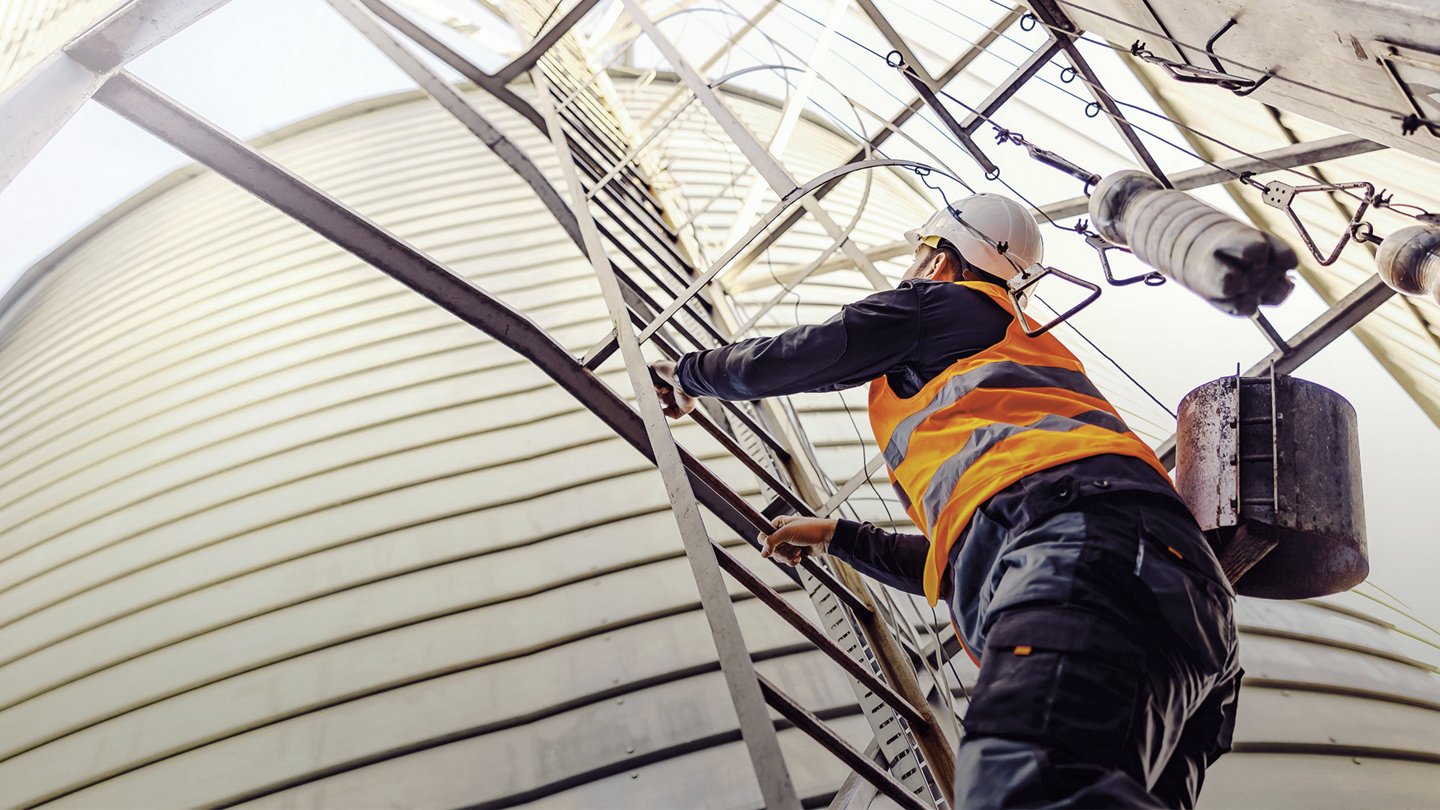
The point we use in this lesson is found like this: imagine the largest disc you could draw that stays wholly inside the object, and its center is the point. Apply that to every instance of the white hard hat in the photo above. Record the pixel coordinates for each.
(1000, 219)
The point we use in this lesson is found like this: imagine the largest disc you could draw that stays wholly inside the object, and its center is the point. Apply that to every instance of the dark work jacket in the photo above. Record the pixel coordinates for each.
(909, 334)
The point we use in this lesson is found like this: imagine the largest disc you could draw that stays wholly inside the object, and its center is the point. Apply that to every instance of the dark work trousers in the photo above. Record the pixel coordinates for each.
(1109, 675)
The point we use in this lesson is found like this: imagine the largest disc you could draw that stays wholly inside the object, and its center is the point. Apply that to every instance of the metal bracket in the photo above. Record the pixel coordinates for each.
(1412, 70)
(1031, 276)
(1282, 196)
(896, 60)
(1239, 85)
(1153, 278)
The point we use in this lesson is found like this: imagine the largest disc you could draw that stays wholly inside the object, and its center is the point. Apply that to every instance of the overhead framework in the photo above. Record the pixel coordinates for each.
(666, 295)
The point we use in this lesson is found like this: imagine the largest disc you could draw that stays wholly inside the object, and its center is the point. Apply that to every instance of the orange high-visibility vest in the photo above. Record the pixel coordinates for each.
(1018, 407)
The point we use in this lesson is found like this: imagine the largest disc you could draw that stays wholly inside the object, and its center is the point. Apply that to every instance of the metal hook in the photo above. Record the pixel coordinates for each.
(1151, 279)
(1028, 278)
(1239, 85)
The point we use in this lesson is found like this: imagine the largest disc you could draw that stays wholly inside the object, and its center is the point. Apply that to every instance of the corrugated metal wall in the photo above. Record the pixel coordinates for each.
(274, 529)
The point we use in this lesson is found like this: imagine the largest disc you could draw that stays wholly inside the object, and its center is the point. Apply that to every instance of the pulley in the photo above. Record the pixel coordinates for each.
(1270, 466)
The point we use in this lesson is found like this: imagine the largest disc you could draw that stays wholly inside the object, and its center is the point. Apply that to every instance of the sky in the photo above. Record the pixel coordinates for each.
(256, 65)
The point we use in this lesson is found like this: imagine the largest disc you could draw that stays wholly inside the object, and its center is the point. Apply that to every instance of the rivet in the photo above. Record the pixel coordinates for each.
(634, 774)
(1356, 760)
(630, 749)
(620, 701)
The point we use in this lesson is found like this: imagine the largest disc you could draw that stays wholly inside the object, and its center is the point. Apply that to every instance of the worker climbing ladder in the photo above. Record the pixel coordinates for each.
(609, 207)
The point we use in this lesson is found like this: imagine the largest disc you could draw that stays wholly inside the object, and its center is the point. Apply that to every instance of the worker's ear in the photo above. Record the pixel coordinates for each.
(943, 267)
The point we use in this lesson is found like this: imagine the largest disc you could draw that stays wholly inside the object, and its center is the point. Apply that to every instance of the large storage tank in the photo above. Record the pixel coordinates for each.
(276, 531)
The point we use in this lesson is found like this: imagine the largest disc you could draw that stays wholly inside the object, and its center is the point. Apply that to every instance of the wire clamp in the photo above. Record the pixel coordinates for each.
(1047, 157)
(1095, 240)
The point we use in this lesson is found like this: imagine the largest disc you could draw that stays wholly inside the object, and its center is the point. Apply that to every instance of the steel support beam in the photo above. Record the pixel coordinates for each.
(369, 26)
(1287, 157)
(455, 103)
(1309, 341)
(50, 94)
(790, 114)
(460, 64)
(878, 19)
(1115, 114)
(1012, 84)
(166, 119)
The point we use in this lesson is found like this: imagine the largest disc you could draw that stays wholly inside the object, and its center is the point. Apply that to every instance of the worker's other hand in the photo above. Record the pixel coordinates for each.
(676, 403)
(796, 538)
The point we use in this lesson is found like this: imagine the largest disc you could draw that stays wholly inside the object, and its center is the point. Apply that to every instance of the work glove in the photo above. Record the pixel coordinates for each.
(676, 402)
(795, 538)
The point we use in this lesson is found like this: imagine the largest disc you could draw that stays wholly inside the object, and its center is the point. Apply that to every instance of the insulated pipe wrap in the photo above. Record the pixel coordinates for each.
(1234, 266)
(1409, 260)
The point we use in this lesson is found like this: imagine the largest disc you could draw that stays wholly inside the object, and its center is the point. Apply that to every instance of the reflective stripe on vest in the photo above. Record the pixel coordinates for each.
(1003, 374)
(943, 482)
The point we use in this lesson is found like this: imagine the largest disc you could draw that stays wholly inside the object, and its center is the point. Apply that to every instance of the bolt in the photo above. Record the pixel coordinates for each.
(630, 749)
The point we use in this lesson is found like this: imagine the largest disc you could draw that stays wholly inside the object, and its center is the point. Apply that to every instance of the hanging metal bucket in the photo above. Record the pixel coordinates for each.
(1272, 472)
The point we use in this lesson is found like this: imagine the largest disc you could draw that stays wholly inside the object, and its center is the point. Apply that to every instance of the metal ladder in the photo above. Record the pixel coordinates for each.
(613, 208)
